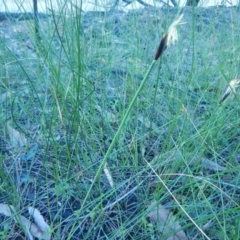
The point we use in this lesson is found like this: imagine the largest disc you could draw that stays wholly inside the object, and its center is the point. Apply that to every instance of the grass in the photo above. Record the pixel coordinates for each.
(69, 98)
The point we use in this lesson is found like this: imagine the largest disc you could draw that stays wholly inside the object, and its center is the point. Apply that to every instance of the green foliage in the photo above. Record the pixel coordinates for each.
(70, 96)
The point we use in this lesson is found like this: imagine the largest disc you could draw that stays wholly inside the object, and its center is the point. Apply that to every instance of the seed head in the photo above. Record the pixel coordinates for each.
(172, 31)
(169, 38)
(231, 89)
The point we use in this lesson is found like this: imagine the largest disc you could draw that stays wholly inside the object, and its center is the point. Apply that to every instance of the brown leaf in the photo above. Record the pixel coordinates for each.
(166, 221)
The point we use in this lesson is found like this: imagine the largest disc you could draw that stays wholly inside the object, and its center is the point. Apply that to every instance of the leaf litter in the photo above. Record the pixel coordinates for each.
(166, 221)
(39, 229)
(17, 139)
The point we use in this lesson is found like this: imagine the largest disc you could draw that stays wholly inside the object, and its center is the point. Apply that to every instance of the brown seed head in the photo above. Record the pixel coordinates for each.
(162, 47)
(231, 89)
(169, 38)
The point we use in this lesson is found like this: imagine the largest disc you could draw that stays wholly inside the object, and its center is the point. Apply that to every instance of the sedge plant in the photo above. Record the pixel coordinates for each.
(168, 39)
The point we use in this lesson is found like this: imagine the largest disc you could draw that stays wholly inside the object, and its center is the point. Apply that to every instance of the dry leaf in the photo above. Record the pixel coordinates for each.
(40, 222)
(6, 210)
(39, 230)
(27, 226)
(17, 139)
(9, 211)
(166, 221)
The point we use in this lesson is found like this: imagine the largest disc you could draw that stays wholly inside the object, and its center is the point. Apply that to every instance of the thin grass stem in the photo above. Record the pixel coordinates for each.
(103, 165)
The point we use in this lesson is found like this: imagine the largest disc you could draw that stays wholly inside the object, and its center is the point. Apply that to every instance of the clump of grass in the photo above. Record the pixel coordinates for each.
(82, 113)
(169, 38)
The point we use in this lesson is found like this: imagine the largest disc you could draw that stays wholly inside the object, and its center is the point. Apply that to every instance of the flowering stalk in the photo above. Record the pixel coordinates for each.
(168, 39)
(162, 47)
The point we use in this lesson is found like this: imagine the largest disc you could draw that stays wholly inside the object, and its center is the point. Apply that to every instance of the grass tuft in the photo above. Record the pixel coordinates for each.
(88, 96)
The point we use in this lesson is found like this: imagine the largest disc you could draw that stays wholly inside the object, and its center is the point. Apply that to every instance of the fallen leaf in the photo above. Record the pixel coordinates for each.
(17, 139)
(29, 227)
(40, 222)
(39, 230)
(6, 210)
(166, 221)
(9, 211)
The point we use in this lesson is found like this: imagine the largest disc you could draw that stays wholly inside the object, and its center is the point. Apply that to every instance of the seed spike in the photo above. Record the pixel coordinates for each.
(168, 38)
(162, 47)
